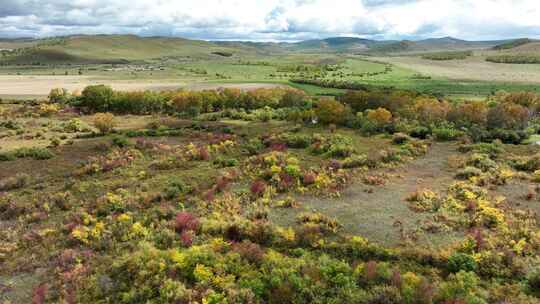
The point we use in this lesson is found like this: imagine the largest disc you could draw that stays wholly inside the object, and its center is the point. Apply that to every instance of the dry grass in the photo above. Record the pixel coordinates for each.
(473, 68)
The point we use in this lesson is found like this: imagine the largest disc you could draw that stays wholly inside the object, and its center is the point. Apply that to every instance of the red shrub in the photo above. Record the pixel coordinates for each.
(286, 181)
(222, 183)
(309, 178)
(186, 221)
(187, 238)
(258, 187)
(370, 272)
(203, 153)
(250, 251)
(39, 294)
(278, 147)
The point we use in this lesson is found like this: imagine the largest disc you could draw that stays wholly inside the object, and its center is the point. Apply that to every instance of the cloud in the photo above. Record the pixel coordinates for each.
(273, 19)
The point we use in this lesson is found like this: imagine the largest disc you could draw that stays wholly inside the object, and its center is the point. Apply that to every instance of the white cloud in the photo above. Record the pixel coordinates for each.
(274, 19)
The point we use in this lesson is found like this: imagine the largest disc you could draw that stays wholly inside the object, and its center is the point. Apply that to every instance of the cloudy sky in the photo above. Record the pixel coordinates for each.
(273, 20)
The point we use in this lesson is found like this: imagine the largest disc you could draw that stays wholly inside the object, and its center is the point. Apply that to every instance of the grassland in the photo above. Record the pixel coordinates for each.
(245, 203)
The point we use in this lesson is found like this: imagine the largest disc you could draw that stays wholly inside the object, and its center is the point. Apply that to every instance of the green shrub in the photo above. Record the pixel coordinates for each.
(97, 98)
(420, 132)
(461, 261)
(121, 141)
(446, 133)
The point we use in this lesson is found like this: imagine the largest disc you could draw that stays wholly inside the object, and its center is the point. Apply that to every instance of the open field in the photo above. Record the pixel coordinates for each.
(242, 184)
(324, 171)
(473, 68)
(30, 87)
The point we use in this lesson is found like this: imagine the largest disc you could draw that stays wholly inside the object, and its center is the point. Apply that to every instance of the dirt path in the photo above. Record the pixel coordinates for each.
(372, 211)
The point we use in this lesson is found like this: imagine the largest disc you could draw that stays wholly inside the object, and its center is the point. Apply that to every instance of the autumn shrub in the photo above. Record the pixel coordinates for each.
(380, 117)
(429, 110)
(104, 122)
(506, 115)
(185, 221)
(330, 111)
(469, 113)
(46, 109)
(258, 187)
(293, 98)
(336, 145)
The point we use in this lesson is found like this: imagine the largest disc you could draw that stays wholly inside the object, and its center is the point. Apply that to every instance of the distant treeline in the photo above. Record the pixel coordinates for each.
(457, 55)
(517, 59)
(512, 44)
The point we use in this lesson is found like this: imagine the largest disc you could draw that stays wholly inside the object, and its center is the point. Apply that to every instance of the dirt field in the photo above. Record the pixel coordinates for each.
(12, 86)
(474, 68)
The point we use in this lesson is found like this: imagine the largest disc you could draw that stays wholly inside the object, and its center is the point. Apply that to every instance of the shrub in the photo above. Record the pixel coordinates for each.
(420, 132)
(58, 95)
(35, 153)
(258, 187)
(400, 138)
(176, 188)
(104, 122)
(121, 141)
(18, 181)
(468, 172)
(468, 113)
(330, 111)
(48, 109)
(186, 221)
(379, 117)
(461, 261)
(430, 110)
(507, 115)
(189, 103)
(533, 280)
(293, 98)
(446, 133)
(97, 98)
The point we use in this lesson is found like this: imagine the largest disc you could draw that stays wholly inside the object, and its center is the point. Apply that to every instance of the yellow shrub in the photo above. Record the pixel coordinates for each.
(48, 109)
(104, 122)
(380, 116)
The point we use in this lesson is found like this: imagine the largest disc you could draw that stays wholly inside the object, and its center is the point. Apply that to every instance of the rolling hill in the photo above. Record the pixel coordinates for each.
(118, 49)
(87, 49)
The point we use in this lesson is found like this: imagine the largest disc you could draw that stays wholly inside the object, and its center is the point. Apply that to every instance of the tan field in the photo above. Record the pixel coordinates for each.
(473, 68)
(17, 86)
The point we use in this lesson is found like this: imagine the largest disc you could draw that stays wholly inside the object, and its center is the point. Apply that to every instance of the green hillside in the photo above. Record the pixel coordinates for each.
(118, 49)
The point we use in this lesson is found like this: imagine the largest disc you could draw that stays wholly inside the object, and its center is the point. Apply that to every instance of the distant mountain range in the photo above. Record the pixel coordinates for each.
(128, 48)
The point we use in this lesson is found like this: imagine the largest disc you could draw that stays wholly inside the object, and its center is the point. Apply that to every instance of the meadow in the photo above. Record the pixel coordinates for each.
(267, 175)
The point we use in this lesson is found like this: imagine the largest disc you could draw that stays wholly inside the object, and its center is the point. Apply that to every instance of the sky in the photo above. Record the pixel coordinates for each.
(273, 20)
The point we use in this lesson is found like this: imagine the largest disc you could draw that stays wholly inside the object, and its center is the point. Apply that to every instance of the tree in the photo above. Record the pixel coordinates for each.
(58, 95)
(293, 98)
(98, 98)
(330, 111)
(507, 115)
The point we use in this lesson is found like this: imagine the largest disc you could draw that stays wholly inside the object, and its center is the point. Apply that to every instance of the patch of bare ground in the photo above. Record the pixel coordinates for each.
(66, 159)
(381, 213)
